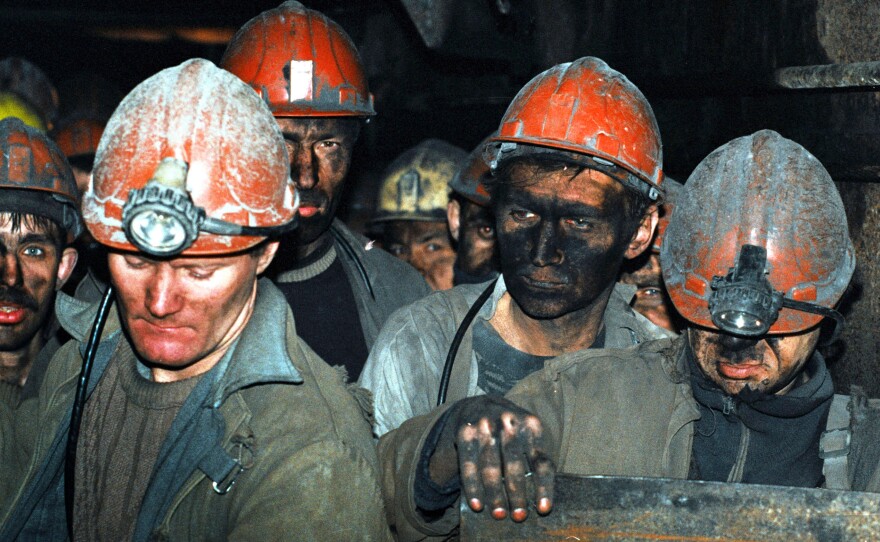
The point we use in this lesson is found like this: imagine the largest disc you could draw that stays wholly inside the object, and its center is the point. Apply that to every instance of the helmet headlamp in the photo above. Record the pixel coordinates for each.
(743, 302)
(161, 219)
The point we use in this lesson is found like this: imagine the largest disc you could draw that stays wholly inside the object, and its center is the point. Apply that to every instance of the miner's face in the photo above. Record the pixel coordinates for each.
(771, 364)
(320, 152)
(562, 237)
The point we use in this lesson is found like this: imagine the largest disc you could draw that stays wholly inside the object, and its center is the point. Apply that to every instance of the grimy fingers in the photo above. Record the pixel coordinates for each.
(542, 467)
(479, 462)
(514, 444)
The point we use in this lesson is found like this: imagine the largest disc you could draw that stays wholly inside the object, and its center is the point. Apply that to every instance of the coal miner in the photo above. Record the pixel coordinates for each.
(471, 222)
(39, 219)
(410, 217)
(741, 396)
(574, 195)
(644, 272)
(201, 415)
(307, 69)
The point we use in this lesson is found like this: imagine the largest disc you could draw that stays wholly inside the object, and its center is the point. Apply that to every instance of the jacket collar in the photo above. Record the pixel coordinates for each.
(77, 317)
(258, 356)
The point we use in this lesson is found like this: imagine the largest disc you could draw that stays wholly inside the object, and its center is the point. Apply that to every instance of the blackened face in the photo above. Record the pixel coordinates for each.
(33, 266)
(477, 245)
(769, 364)
(562, 238)
(320, 152)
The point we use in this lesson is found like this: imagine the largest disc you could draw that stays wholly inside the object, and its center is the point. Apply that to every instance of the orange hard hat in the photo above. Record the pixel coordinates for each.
(469, 181)
(35, 178)
(765, 201)
(592, 114)
(79, 137)
(194, 151)
(301, 63)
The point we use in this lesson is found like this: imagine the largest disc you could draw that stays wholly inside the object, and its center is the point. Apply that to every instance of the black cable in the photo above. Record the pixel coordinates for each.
(79, 405)
(351, 254)
(456, 340)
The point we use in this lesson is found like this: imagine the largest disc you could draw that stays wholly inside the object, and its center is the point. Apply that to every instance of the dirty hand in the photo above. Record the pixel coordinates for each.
(501, 457)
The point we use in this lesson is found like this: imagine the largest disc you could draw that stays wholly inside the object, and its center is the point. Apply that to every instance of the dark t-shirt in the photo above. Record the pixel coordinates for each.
(326, 318)
(499, 365)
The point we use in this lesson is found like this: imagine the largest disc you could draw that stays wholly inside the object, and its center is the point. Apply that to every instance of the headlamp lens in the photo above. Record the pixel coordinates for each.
(744, 302)
(156, 232)
(161, 220)
(740, 322)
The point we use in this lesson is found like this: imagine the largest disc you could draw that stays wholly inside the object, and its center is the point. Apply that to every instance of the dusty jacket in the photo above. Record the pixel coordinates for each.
(381, 283)
(625, 412)
(404, 368)
(270, 405)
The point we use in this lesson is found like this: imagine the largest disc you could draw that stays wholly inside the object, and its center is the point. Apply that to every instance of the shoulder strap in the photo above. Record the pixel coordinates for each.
(834, 444)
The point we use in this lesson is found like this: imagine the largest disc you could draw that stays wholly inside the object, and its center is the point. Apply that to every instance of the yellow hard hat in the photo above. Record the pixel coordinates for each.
(11, 105)
(416, 184)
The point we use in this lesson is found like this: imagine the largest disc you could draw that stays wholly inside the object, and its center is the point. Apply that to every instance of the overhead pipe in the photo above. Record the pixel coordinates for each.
(854, 75)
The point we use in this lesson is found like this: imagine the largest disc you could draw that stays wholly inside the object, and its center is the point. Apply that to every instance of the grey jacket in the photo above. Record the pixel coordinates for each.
(381, 283)
(405, 366)
(270, 418)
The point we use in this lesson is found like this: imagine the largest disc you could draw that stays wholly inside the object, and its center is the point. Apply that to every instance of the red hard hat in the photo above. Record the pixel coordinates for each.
(235, 159)
(79, 137)
(35, 178)
(469, 181)
(586, 108)
(301, 63)
(769, 192)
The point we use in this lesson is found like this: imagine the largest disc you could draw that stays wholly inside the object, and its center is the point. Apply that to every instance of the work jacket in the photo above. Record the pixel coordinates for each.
(270, 445)
(627, 412)
(405, 366)
(379, 282)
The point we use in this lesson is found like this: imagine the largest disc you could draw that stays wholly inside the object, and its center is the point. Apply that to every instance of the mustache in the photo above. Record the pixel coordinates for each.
(311, 198)
(9, 294)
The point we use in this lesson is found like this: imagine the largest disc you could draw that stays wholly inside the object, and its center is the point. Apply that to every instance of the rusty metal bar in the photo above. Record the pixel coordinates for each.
(857, 74)
(601, 508)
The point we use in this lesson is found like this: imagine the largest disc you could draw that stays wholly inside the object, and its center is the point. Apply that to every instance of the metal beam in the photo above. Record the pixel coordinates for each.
(601, 508)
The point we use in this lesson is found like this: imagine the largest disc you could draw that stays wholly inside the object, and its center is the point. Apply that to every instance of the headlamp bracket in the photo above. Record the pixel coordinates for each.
(743, 302)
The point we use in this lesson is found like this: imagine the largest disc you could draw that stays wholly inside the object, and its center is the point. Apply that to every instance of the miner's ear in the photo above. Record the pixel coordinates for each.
(453, 218)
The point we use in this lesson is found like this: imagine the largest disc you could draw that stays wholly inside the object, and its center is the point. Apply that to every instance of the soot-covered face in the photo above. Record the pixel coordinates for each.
(33, 266)
(652, 299)
(769, 365)
(562, 236)
(477, 246)
(320, 152)
(424, 245)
